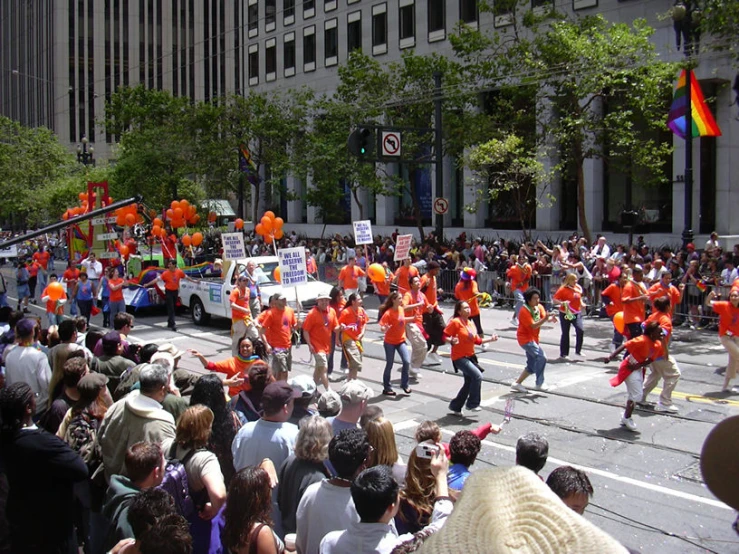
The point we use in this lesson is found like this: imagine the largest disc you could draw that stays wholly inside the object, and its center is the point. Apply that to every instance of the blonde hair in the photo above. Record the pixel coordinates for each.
(570, 279)
(419, 481)
(381, 437)
(194, 427)
(313, 438)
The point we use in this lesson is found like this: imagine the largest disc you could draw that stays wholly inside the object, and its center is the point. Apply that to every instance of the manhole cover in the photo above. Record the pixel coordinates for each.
(691, 473)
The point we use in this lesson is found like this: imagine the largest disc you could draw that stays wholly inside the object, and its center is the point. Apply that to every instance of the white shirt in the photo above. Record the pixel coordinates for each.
(93, 267)
(28, 365)
(601, 252)
(728, 277)
(323, 508)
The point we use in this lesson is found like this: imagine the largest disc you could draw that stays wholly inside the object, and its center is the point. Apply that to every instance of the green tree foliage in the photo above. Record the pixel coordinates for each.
(720, 19)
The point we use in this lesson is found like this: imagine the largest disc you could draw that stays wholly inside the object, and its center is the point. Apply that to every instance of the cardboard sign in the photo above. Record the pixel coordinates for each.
(402, 247)
(233, 246)
(293, 270)
(363, 232)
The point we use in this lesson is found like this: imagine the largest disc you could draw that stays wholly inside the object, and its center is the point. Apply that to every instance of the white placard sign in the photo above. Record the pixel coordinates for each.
(107, 236)
(233, 246)
(9, 252)
(363, 232)
(402, 247)
(108, 255)
(293, 271)
(103, 220)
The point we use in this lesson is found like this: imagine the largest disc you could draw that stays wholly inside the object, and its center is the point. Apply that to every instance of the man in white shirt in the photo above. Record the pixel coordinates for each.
(601, 249)
(328, 506)
(94, 269)
(376, 497)
(25, 363)
(729, 273)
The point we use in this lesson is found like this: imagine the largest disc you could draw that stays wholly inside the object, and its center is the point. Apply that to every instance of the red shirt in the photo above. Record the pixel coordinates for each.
(348, 276)
(172, 278)
(71, 276)
(573, 295)
(42, 258)
(519, 277)
(395, 320)
(321, 325)
(415, 314)
(467, 335)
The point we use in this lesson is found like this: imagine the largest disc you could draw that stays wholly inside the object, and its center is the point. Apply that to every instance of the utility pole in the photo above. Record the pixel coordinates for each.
(439, 160)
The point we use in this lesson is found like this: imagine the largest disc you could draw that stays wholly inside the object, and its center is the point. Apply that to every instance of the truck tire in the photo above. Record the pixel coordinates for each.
(199, 315)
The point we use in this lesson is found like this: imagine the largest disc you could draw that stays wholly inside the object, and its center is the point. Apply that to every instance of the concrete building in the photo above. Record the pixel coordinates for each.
(60, 59)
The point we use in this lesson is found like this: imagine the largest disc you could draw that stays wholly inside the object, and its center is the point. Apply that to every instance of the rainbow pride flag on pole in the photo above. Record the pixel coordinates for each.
(703, 123)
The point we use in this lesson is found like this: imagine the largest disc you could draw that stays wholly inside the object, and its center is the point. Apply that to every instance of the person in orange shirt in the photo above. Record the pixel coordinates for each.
(665, 368)
(569, 299)
(634, 297)
(530, 319)
(236, 367)
(643, 350)
(392, 323)
(403, 275)
(433, 321)
(382, 288)
(318, 330)
(242, 324)
(463, 337)
(611, 297)
(337, 303)
(728, 332)
(41, 257)
(352, 323)
(33, 271)
(349, 276)
(664, 287)
(116, 302)
(171, 278)
(518, 280)
(70, 277)
(276, 329)
(416, 304)
(54, 308)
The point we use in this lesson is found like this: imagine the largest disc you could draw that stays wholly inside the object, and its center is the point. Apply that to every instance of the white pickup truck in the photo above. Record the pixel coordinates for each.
(209, 296)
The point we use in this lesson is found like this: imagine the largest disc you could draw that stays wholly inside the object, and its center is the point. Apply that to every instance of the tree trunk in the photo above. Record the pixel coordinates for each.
(582, 216)
(355, 194)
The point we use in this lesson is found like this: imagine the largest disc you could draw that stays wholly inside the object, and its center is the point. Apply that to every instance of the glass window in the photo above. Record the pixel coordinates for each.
(270, 59)
(407, 22)
(436, 15)
(253, 65)
(468, 11)
(288, 10)
(288, 55)
(354, 32)
(309, 8)
(379, 28)
(331, 42)
(253, 18)
(309, 48)
(270, 13)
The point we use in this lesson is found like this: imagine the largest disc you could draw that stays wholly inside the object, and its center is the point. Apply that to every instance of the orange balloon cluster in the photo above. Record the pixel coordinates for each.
(180, 213)
(87, 203)
(270, 227)
(128, 216)
(195, 240)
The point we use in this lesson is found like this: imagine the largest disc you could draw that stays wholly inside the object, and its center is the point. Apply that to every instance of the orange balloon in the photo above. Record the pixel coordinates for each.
(178, 213)
(277, 274)
(618, 322)
(266, 224)
(82, 196)
(239, 224)
(156, 230)
(157, 221)
(184, 204)
(65, 215)
(120, 220)
(123, 249)
(130, 219)
(195, 219)
(55, 290)
(268, 239)
(197, 239)
(186, 240)
(170, 213)
(270, 214)
(259, 229)
(278, 223)
(174, 205)
(279, 234)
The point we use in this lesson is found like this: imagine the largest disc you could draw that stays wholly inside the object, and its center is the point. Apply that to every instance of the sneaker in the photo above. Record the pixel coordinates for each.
(455, 412)
(334, 378)
(543, 387)
(518, 387)
(415, 373)
(579, 354)
(477, 409)
(672, 409)
(628, 423)
(514, 322)
(432, 358)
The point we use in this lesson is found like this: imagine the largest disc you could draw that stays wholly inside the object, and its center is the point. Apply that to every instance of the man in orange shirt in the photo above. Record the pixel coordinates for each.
(276, 330)
(42, 257)
(404, 274)
(70, 277)
(349, 277)
(518, 276)
(614, 304)
(416, 304)
(318, 328)
(634, 297)
(664, 287)
(242, 324)
(171, 279)
(433, 321)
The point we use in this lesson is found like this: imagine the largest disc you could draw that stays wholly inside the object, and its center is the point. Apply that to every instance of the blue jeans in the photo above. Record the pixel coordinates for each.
(517, 302)
(618, 338)
(54, 319)
(116, 307)
(405, 358)
(564, 339)
(536, 361)
(470, 391)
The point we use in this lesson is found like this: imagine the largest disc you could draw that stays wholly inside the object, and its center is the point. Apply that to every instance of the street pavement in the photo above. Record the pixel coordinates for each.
(648, 488)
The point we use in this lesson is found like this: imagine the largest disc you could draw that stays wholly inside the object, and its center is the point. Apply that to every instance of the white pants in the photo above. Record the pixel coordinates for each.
(731, 344)
(667, 370)
(418, 344)
(635, 385)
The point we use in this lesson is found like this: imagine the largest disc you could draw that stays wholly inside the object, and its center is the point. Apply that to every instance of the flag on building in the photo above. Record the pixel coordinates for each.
(703, 123)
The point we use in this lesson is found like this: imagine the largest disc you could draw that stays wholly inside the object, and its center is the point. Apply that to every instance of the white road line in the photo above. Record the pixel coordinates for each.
(490, 401)
(616, 477)
(405, 424)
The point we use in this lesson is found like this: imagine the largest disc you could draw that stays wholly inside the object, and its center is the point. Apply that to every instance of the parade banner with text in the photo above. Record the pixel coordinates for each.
(363, 232)
(402, 247)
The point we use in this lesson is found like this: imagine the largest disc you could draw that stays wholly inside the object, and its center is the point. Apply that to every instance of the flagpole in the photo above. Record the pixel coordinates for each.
(688, 176)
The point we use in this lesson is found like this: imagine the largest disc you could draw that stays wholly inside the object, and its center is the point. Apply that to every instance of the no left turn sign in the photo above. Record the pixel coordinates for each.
(390, 143)
(441, 206)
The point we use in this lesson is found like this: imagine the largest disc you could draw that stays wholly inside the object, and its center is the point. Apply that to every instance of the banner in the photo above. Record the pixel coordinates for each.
(363, 232)
(402, 247)
(233, 246)
(293, 270)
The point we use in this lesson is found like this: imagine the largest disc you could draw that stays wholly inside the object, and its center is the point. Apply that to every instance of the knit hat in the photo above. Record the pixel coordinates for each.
(510, 510)
(467, 274)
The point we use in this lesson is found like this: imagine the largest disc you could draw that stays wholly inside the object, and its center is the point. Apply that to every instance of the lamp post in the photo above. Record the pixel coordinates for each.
(85, 154)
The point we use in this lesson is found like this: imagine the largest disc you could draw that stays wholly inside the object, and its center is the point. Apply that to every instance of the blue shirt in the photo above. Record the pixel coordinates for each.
(338, 425)
(84, 290)
(457, 476)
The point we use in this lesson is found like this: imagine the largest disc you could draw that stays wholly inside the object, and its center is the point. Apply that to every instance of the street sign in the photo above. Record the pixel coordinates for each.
(441, 205)
(108, 255)
(402, 247)
(107, 236)
(391, 143)
(103, 220)
(363, 232)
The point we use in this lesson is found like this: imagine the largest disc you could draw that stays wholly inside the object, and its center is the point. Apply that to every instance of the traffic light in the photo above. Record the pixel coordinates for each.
(361, 142)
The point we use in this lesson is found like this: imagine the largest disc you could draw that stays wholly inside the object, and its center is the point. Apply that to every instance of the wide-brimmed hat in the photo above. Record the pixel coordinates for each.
(171, 349)
(467, 274)
(510, 510)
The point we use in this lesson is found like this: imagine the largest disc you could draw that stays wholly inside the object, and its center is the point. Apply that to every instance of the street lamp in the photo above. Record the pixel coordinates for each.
(85, 153)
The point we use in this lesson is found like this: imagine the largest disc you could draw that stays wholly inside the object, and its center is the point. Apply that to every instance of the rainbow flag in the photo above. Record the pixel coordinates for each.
(702, 286)
(703, 123)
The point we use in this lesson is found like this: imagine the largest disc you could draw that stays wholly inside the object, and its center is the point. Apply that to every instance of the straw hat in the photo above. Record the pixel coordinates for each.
(510, 510)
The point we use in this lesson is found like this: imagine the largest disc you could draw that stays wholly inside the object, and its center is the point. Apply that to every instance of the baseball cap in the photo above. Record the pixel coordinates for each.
(112, 337)
(90, 385)
(303, 385)
(278, 296)
(690, 246)
(323, 296)
(329, 403)
(276, 395)
(354, 391)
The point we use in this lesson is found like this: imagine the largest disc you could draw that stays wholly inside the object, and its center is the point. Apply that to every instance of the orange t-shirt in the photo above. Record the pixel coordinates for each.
(642, 347)
(383, 287)
(664, 320)
(633, 311)
(33, 269)
(354, 322)
(525, 332)
(395, 320)
(348, 276)
(278, 326)
(404, 275)
(233, 366)
(320, 325)
(613, 292)
(71, 276)
(51, 304)
(240, 299)
(658, 291)
(415, 314)
(467, 292)
(519, 277)
(42, 258)
(467, 335)
(728, 318)
(428, 286)
(172, 278)
(571, 295)
(115, 295)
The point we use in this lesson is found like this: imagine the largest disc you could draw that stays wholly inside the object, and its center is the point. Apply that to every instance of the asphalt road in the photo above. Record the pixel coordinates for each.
(648, 488)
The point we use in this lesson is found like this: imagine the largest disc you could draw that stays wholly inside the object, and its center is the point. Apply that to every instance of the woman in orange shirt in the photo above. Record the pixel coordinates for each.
(466, 290)
(337, 303)
(352, 321)
(463, 338)
(236, 367)
(116, 302)
(728, 332)
(530, 319)
(392, 323)
(612, 298)
(569, 299)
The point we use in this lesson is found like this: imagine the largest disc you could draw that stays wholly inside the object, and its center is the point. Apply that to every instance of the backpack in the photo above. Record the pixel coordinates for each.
(175, 482)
